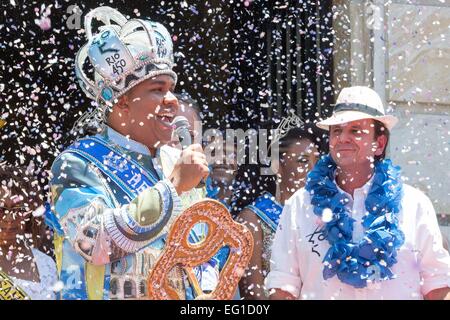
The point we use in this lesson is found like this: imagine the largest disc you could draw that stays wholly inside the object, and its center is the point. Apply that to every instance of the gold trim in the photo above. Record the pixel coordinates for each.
(9, 290)
(95, 280)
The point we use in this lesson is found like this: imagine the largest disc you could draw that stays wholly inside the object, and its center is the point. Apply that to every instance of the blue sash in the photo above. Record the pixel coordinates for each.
(125, 172)
(267, 209)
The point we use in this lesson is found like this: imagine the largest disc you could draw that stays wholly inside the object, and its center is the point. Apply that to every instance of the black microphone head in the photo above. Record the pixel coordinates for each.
(180, 122)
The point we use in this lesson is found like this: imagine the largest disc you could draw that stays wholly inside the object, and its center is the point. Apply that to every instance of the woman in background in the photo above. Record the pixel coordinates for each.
(299, 150)
(25, 272)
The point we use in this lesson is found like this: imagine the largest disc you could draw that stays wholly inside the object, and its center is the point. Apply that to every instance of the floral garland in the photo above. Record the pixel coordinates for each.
(356, 263)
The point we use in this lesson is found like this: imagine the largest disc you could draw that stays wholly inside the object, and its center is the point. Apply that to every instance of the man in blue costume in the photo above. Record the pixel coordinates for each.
(113, 202)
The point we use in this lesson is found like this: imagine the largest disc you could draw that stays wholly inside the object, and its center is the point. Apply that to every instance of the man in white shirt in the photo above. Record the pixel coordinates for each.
(356, 231)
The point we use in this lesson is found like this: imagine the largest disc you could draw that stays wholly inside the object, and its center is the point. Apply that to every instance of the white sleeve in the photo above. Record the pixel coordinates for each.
(284, 269)
(434, 260)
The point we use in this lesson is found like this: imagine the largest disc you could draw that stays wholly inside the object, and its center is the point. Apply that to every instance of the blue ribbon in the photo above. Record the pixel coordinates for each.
(126, 173)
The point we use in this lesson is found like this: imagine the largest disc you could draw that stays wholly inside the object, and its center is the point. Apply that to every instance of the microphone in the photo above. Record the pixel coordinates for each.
(182, 125)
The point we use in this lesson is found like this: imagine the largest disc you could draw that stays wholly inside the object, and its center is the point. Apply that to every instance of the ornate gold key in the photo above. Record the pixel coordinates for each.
(222, 231)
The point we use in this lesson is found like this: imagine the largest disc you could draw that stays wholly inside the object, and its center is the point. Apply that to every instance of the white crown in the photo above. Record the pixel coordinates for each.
(122, 54)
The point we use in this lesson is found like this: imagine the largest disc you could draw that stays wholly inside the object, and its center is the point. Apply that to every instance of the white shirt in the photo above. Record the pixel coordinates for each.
(298, 251)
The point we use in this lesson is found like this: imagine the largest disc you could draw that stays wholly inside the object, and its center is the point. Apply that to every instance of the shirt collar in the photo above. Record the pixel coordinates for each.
(126, 142)
(364, 189)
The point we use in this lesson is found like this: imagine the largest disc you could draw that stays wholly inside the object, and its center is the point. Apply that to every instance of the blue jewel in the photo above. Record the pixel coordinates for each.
(107, 93)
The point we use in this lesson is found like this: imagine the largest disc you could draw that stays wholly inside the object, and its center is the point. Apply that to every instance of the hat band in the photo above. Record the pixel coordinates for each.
(357, 107)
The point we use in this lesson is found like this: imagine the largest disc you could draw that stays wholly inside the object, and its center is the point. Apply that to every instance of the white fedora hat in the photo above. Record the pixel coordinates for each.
(357, 103)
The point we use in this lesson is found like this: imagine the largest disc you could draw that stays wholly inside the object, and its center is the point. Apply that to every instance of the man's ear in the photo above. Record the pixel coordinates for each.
(119, 112)
(123, 104)
(381, 144)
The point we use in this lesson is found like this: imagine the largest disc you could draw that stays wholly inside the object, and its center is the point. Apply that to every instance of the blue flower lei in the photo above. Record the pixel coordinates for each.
(356, 263)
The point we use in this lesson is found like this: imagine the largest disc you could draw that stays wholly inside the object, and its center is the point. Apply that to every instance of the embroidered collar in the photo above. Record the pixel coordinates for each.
(371, 258)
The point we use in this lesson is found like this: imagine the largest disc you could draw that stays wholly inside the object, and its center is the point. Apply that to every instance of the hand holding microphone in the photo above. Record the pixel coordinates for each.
(192, 166)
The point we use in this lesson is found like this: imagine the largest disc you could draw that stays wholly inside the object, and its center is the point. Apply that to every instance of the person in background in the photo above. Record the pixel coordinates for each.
(189, 109)
(25, 271)
(299, 150)
(220, 183)
(220, 186)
